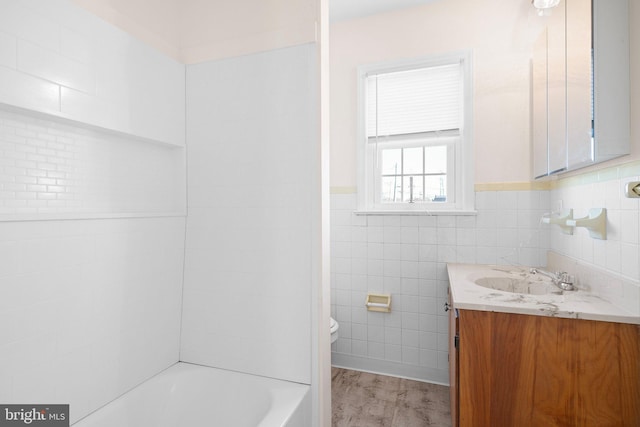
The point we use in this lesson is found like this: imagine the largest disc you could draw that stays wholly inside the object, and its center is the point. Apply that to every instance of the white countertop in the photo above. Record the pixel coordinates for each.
(578, 304)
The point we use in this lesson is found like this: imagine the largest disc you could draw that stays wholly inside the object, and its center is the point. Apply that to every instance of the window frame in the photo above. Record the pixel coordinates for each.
(369, 175)
(446, 141)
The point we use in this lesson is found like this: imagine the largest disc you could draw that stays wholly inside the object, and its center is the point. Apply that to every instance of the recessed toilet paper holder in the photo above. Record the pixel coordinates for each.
(378, 302)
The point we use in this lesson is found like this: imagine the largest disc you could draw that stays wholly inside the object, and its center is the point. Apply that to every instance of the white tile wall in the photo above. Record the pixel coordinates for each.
(54, 168)
(381, 254)
(249, 257)
(88, 309)
(57, 58)
(8, 49)
(618, 255)
(103, 112)
(623, 230)
(406, 256)
(48, 65)
(28, 92)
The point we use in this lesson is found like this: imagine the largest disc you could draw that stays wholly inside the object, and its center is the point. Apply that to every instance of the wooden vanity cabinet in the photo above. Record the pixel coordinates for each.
(453, 362)
(524, 370)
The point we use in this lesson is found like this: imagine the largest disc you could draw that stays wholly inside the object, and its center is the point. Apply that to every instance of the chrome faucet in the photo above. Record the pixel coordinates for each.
(561, 279)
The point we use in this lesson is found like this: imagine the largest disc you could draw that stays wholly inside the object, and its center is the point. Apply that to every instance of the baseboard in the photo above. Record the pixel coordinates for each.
(394, 369)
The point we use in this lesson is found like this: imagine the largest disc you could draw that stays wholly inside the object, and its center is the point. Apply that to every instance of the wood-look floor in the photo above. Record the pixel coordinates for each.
(360, 399)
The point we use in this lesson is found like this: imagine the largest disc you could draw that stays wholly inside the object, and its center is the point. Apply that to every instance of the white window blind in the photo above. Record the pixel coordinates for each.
(414, 101)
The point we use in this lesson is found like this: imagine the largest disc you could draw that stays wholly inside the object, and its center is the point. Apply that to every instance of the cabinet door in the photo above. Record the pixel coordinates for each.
(453, 362)
(539, 108)
(557, 89)
(586, 104)
(580, 98)
(529, 371)
(612, 78)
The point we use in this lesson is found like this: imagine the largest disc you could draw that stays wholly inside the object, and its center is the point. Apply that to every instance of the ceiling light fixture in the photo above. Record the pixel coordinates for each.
(544, 6)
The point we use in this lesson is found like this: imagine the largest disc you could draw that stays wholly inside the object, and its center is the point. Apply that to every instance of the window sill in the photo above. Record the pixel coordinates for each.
(417, 213)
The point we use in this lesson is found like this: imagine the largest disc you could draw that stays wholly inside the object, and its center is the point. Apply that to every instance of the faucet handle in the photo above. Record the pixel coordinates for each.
(565, 277)
(565, 281)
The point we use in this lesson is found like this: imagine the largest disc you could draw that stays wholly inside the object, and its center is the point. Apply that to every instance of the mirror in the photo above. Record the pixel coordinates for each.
(580, 86)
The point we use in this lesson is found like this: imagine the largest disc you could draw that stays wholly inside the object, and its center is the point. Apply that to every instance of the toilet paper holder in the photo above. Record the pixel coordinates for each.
(378, 302)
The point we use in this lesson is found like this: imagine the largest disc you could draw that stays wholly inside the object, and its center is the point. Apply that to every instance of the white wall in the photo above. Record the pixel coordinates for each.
(406, 257)
(619, 255)
(193, 31)
(614, 261)
(252, 175)
(53, 170)
(378, 253)
(92, 202)
(58, 59)
(214, 30)
(499, 33)
(88, 309)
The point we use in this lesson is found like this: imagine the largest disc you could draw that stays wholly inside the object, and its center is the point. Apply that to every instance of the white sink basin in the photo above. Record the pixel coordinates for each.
(520, 285)
(514, 289)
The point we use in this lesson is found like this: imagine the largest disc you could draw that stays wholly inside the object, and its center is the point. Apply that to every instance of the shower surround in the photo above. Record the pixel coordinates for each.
(93, 208)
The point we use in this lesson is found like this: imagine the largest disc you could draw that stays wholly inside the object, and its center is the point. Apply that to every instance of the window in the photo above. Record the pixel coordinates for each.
(415, 132)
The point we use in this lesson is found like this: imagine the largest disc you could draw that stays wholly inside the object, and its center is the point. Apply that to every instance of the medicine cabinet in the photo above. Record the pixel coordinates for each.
(580, 86)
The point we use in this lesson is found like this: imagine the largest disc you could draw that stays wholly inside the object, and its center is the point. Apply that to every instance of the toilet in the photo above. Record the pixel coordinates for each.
(333, 327)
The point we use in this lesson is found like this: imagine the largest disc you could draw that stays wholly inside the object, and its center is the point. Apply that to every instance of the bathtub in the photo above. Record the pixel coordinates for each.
(193, 396)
